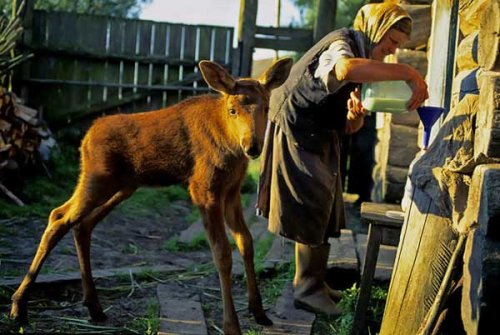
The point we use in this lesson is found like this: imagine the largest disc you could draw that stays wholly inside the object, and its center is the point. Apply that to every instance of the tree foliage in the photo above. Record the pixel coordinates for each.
(119, 8)
(346, 11)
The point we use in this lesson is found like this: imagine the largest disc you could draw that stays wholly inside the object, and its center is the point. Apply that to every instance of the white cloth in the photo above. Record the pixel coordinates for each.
(327, 60)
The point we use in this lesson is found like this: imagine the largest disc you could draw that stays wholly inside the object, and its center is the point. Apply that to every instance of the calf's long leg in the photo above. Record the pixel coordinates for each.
(61, 220)
(82, 237)
(221, 254)
(236, 223)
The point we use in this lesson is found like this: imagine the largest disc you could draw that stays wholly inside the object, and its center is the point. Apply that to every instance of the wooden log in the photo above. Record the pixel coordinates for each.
(481, 289)
(489, 37)
(465, 82)
(487, 136)
(421, 28)
(410, 119)
(417, 59)
(396, 174)
(402, 146)
(396, 148)
(470, 12)
(467, 52)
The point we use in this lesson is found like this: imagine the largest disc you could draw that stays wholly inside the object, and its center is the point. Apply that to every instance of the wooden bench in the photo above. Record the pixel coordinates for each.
(382, 229)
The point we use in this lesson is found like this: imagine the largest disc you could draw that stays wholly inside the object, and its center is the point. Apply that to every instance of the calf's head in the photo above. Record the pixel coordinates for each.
(246, 101)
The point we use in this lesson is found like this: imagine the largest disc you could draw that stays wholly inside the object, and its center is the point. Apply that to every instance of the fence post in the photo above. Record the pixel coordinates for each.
(27, 18)
(246, 35)
(25, 41)
(325, 21)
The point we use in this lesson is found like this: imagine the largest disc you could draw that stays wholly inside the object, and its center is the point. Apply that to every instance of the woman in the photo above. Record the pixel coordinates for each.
(300, 187)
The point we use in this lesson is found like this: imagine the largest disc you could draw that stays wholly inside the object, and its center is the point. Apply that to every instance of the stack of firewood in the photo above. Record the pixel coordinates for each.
(21, 133)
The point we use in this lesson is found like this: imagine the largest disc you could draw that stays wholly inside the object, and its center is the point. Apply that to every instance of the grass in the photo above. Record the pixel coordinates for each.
(41, 193)
(342, 325)
(273, 287)
(147, 200)
(150, 322)
(199, 242)
(261, 250)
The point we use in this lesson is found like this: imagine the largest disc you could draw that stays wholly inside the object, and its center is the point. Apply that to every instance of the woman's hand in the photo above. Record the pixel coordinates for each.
(355, 113)
(355, 109)
(352, 126)
(361, 70)
(419, 88)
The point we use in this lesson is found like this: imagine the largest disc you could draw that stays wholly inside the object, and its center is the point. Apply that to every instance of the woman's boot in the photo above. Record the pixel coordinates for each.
(310, 290)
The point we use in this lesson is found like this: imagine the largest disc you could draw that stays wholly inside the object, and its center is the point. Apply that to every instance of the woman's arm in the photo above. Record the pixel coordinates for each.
(361, 70)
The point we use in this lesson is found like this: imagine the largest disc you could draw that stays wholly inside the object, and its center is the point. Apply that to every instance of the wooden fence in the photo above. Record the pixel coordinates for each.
(88, 64)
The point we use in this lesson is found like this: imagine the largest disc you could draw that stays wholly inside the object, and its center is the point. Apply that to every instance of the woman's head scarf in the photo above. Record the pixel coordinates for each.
(374, 20)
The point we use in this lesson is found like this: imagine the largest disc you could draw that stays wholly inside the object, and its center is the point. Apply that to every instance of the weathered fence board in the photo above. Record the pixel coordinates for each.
(284, 38)
(86, 64)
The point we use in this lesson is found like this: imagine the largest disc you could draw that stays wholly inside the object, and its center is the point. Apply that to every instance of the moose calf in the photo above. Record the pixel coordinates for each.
(204, 142)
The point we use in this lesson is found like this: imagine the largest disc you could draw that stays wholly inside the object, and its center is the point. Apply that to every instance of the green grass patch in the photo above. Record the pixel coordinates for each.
(150, 322)
(261, 250)
(272, 289)
(41, 193)
(343, 324)
(251, 180)
(199, 242)
(194, 215)
(146, 200)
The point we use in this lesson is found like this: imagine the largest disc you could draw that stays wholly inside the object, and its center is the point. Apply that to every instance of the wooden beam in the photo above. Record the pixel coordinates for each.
(276, 44)
(325, 20)
(439, 57)
(246, 35)
(292, 39)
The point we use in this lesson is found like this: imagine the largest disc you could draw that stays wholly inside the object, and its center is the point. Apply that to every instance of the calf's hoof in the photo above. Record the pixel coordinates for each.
(98, 316)
(95, 311)
(19, 312)
(262, 319)
(230, 329)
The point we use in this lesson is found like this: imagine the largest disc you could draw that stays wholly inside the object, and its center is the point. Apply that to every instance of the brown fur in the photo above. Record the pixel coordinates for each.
(202, 142)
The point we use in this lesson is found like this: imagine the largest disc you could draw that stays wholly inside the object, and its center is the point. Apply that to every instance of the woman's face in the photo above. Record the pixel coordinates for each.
(392, 40)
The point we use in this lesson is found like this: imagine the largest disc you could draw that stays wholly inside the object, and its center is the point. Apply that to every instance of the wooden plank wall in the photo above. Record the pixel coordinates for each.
(86, 65)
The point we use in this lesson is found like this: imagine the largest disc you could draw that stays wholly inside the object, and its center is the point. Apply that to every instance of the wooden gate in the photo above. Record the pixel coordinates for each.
(85, 65)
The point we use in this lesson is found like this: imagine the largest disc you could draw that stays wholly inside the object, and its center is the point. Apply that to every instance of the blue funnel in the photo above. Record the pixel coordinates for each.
(428, 115)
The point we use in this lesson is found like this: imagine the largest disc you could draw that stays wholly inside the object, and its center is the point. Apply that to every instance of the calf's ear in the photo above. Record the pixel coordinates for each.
(217, 77)
(276, 74)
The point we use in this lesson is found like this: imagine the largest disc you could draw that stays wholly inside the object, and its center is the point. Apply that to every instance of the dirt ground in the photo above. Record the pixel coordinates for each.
(129, 301)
